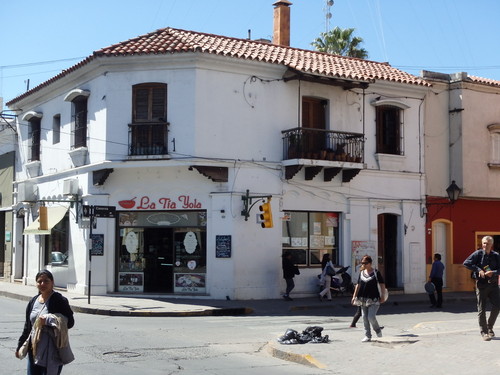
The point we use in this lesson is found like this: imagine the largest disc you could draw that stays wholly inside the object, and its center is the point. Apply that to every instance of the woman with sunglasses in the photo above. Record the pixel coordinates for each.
(366, 294)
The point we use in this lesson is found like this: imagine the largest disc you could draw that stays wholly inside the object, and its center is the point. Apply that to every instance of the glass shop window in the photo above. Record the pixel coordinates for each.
(309, 235)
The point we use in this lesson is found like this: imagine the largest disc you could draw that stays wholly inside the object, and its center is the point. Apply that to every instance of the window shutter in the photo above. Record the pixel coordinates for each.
(158, 104)
(141, 104)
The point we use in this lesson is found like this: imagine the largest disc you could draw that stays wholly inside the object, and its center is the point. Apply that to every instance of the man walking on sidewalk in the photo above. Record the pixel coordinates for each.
(485, 264)
(436, 277)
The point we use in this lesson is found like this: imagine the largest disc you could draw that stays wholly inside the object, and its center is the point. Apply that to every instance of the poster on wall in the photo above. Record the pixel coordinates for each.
(97, 244)
(359, 250)
(131, 282)
(189, 282)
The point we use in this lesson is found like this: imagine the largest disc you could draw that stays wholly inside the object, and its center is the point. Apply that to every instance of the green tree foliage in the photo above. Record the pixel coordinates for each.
(340, 42)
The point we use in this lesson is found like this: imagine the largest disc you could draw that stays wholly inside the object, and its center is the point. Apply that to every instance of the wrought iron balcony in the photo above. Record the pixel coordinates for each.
(309, 147)
(308, 143)
(148, 139)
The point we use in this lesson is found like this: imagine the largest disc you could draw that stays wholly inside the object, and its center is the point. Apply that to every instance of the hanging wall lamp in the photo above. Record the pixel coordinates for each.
(453, 192)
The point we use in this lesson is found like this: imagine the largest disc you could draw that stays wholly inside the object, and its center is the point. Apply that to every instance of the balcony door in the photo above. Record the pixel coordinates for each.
(314, 124)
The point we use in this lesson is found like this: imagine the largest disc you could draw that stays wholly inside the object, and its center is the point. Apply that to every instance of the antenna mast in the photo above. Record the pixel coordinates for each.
(328, 14)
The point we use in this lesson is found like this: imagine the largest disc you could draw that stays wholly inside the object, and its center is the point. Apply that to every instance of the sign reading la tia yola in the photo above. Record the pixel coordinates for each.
(182, 202)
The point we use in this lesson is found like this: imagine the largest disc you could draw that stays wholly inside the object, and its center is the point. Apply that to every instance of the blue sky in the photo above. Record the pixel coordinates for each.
(40, 38)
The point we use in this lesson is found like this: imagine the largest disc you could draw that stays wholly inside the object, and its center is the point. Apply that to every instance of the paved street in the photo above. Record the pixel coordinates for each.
(417, 340)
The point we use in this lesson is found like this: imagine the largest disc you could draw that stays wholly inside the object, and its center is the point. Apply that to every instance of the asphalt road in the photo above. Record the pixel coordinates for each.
(417, 340)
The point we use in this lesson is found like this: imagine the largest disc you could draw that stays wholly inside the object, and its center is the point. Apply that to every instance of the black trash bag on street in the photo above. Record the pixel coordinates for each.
(310, 334)
(290, 337)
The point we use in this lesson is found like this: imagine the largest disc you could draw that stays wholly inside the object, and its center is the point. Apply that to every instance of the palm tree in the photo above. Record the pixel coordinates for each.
(340, 42)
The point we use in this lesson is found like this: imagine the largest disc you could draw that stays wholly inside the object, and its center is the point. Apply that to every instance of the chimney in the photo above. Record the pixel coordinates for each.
(281, 34)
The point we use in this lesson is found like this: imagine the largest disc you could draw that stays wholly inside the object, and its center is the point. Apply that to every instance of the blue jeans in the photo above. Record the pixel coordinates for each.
(369, 314)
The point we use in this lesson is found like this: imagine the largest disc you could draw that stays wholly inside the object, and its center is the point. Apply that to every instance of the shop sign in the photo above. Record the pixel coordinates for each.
(131, 282)
(182, 202)
(189, 283)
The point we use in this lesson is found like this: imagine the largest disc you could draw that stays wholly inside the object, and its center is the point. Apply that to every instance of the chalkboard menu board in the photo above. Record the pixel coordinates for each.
(223, 246)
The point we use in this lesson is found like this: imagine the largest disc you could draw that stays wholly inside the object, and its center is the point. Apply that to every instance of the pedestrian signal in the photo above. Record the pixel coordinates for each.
(266, 214)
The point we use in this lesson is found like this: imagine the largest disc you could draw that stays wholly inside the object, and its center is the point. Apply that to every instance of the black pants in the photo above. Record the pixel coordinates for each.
(289, 286)
(438, 283)
(484, 293)
(356, 316)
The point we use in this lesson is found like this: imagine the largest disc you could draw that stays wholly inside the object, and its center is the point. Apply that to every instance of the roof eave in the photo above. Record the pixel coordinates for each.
(347, 84)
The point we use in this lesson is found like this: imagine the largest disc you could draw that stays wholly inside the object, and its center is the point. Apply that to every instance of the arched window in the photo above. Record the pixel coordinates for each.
(389, 126)
(79, 99)
(35, 127)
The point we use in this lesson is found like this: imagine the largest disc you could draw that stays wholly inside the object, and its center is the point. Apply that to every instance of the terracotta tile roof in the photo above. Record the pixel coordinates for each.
(484, 81)
(169, 40)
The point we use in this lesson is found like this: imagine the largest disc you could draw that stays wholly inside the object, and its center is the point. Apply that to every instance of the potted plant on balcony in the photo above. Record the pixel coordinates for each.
(294, 146)
(340, 153)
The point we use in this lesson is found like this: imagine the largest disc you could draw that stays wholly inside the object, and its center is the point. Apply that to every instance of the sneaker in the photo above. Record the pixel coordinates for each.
(486, 337)
(491, 333)
(366, 339)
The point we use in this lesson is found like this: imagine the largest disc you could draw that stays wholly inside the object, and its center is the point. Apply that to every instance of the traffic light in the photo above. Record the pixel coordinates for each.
(266, 214)
(42, 218)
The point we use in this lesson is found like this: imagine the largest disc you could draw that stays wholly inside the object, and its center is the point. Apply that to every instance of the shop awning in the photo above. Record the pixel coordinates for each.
(54, 215)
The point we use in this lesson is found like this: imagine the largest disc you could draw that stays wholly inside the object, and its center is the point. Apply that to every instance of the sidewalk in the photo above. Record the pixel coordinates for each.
(143, 305)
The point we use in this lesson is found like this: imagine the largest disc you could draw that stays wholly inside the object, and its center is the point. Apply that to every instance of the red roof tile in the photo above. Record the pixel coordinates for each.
(169, 40)
(484, 81)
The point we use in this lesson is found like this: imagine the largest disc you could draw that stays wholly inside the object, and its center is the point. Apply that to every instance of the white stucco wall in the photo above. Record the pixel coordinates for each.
(220, 116)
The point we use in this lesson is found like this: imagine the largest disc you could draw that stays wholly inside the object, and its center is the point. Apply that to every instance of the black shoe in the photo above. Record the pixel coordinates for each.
(287, 298)
(491, 333)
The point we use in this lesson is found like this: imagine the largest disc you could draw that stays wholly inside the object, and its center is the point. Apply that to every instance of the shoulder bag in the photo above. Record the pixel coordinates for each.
(23, 350)
(329, 271)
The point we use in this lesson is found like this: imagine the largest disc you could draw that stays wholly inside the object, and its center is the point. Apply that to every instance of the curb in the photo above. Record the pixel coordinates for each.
(229, 311)
(302, 359)
(237, 311)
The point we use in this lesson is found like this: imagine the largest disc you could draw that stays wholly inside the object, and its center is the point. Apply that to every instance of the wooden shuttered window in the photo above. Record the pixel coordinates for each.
(389, 130)
(34, 134)
(149, 103)
(80, 121)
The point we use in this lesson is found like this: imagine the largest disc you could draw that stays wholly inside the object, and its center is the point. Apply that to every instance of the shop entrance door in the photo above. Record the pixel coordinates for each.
(159, 255)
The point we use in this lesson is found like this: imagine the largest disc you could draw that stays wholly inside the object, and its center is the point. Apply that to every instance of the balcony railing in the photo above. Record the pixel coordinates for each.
(319, 144)
(148, 139)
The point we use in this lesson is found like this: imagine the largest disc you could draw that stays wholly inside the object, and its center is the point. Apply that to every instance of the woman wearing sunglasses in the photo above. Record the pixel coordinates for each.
(367, 295)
